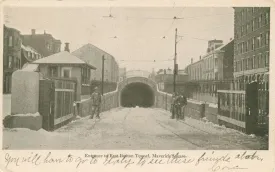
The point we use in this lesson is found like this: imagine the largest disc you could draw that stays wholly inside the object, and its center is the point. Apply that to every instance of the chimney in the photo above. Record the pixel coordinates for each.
(230, 39)
(200, 57)
(67, 48)
(33, 31)
(191, 60)
(44, 32)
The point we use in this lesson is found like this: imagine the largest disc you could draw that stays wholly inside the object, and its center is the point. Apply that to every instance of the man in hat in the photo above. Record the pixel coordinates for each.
(96, 101)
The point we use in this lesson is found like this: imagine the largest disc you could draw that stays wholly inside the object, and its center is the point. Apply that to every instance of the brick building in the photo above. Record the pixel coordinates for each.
(251, 45)
(11, 56)
(45, 44)
(93, 55)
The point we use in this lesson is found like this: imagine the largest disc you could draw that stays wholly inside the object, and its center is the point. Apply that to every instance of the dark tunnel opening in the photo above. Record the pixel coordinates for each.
(137, 94)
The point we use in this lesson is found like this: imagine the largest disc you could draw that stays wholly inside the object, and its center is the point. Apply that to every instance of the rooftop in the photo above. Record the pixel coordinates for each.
(63, 57)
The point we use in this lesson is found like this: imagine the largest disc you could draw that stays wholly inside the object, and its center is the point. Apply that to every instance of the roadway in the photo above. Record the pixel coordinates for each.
(133, 128)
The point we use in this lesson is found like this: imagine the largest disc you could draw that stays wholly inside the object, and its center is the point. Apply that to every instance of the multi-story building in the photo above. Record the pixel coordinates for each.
(11, 56)
(45, 44)
(251, 45)
(210, 60)
(93, 55)
(217, 64)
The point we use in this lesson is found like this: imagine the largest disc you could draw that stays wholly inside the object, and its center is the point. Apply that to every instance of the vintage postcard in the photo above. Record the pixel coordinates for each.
(136, 86)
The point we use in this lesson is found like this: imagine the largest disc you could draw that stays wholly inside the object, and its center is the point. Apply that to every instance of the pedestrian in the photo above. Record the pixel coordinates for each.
(183, 103)
(178, 106)
(172, 109)
(96, 102)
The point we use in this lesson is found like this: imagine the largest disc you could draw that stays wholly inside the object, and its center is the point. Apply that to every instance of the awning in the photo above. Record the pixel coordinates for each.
(30, 67)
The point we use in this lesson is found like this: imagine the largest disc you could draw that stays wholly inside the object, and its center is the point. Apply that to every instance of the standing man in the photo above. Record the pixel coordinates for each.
(96, 101)
(172, 109)
(183, 103)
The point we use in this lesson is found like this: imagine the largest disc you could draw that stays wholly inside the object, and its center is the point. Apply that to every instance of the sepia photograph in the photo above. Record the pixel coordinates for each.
(136, 78)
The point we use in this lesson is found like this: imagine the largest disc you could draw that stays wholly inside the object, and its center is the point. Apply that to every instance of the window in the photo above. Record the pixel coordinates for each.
(266, 18)
(253, 62)
(53, 71)
(242, 47)
(247, 28)
(10, 62)
(256, 62)
(253, 43)
(267, 59)
(242, 32)
(260, 40)
(66, 72)
(260, 61)
(10, 41)
(263, 19)
(253, 25)
(253, 10)
(267, 38)
(260, 21)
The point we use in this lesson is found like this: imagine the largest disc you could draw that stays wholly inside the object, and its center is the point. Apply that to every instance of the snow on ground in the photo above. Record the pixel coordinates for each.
(133, 128)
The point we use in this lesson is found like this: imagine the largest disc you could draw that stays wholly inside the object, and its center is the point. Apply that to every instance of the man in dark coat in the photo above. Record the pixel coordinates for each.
(172, 109)
(96, 102)
(183, 103)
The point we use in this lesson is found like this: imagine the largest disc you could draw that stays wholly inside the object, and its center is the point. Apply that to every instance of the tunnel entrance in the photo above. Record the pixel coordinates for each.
(137, 94)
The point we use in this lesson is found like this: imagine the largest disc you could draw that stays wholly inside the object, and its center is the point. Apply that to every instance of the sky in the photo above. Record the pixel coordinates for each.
(134, 36)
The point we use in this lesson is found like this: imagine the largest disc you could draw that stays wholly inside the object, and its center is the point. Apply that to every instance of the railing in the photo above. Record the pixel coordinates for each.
(247, 111)
(232, 109)
(206, 91)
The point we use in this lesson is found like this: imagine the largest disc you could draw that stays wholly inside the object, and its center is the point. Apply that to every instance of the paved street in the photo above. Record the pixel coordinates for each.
(133, 128)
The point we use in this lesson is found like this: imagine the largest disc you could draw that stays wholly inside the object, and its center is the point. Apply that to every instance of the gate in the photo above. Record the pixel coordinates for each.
(56, 99)
(246, 111)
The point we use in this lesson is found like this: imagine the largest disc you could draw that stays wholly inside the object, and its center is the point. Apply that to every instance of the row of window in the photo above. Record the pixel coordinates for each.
(257, 61)
(249, 11)
(13, 62)
(33, 55)
(253, 43)
(253, 25)
(13, 42)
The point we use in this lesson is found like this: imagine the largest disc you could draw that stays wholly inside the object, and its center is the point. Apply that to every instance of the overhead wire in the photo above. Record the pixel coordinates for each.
(166, 33)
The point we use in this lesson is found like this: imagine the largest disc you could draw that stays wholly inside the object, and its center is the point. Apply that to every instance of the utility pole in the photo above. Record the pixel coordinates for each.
(175, 61)
(102, 82)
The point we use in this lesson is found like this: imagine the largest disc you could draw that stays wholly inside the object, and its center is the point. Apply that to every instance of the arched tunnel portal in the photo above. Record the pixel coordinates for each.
(137, 94)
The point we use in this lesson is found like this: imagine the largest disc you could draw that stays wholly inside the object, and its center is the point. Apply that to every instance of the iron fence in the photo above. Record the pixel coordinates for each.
(245, 110)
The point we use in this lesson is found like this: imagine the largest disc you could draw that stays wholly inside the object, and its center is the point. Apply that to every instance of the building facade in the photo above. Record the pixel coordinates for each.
(217, 64)
(252, 43)
(93, 55)
(45, 44)
(11, 56)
